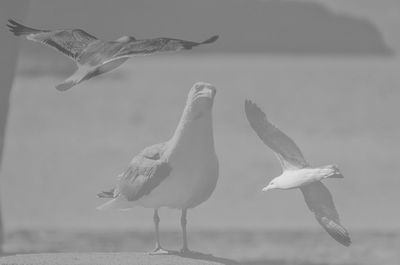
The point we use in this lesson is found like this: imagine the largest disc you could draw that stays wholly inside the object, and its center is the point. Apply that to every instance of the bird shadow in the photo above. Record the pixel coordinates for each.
(203, 256)
(289, 262)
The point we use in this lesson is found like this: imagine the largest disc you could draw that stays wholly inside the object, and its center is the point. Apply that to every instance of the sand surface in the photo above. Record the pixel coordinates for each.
(123, 258)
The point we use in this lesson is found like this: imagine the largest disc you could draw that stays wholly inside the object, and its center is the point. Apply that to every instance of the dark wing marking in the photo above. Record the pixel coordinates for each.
(285, 148)
(210, 40)
(319, 201)
(146, 172)
(149, 46)
(141, 47)
(71, 42)
(106, 194)
(190, 44)
(140, 181)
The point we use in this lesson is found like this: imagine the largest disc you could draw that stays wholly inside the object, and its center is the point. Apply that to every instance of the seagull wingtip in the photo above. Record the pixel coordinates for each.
(11, 21)
(251, 108)
(345, 241)
(65, 86)
(248, 102)
(210, 40)
(335, 230)
(12, 25)
(215, 37)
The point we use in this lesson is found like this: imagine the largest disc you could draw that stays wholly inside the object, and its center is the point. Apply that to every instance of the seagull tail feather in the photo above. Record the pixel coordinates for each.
(108, 205)
(76, 78)
(117, 204)
(334, 172)
(336, 176)
(19, 29)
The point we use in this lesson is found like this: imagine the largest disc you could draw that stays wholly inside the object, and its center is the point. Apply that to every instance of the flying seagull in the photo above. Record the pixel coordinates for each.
(93, 56)
(297, 173)
(180, 173)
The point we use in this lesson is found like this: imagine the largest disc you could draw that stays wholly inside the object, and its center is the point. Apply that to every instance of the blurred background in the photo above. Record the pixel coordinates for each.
(325, 72)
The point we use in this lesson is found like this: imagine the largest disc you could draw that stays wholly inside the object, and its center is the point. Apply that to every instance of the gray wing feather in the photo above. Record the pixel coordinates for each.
(71, 42)
(285, 148)
(146, 171)
(319, 201)
(140, 47)
(150, 46)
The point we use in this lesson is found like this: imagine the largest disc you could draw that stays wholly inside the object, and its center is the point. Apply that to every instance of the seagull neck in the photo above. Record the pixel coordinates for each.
(194, 129)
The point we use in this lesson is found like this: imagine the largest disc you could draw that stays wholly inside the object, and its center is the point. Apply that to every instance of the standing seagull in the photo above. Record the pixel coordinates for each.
(93, 56)
(297, 173)
(180, 173)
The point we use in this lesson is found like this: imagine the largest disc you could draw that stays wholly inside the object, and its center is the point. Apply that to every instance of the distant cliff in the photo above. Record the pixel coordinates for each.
(274, 27)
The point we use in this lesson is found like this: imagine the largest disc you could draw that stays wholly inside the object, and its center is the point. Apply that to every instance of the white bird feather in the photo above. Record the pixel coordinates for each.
(180, 173)
(297, 173)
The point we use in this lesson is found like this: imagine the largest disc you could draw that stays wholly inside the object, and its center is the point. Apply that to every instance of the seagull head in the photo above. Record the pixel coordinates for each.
(200, 99)
(273, 184)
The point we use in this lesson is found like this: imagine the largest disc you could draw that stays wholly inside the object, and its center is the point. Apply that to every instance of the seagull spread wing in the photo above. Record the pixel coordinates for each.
(149, 46)
(285, 148)
(319, 201)
(71, 42)
(146, 171)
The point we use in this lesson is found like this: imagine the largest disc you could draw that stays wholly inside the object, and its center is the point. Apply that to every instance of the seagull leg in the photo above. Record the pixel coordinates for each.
(158, 249)
(184, 249)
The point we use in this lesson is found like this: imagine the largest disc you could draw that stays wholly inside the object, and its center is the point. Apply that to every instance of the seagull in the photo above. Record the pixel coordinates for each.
(297, 173)
(180, 173)
(93, 56)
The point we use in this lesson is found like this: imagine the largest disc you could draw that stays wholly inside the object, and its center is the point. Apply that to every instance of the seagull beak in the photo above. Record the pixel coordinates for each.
(202, 89)
(209, 92)
(266, 188)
